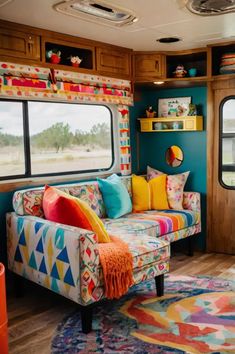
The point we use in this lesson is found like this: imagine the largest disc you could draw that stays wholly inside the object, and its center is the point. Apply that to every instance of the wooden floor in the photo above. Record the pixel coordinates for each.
(34, 317)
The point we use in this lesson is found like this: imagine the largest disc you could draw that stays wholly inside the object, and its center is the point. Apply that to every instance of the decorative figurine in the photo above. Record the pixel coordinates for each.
(180, 71)
(150, 113)
(54, 56)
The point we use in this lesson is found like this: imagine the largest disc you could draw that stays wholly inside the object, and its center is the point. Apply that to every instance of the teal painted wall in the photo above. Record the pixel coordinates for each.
(152, 146)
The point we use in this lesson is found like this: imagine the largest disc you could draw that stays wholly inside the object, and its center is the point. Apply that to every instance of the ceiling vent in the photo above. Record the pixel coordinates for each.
(102, 12)
(210, 7)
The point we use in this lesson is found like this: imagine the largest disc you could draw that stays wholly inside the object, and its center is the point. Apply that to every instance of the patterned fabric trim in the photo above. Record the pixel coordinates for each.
(32, 82)
(125, 147)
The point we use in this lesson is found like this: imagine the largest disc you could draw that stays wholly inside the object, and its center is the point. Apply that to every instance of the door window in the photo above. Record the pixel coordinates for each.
(227, 143)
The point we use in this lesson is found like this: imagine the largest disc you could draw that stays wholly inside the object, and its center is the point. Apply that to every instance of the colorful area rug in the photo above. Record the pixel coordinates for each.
(196, 315)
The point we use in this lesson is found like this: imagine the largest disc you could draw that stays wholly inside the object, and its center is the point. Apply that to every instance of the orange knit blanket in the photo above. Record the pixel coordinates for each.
(117, 264)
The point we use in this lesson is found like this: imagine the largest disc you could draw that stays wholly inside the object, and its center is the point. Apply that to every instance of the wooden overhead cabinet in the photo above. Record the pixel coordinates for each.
(113, 61)
(19, 44)
(149, 66)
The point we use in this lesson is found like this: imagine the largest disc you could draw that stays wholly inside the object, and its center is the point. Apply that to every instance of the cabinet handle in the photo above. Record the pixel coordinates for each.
(30, 44)
(157, 65)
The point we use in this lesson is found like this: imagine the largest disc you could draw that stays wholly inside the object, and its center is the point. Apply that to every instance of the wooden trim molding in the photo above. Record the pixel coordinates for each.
(210, 148)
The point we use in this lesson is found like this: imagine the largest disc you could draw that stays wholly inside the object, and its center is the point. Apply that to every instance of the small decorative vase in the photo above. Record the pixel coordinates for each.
(157, 126)
(75, 65)
(192, 72)
(54, 59)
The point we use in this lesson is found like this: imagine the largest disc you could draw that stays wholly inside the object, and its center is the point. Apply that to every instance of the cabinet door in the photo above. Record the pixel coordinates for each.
(149, 65)
(113, 61)
(19, 44)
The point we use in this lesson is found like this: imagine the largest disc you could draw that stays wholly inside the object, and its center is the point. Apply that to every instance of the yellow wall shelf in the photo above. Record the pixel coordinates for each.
(170, 124)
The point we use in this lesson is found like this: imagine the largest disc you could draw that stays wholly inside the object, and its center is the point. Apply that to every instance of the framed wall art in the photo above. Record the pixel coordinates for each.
(173, 107)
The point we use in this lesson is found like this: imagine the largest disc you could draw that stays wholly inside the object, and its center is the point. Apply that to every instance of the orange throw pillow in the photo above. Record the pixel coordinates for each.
(60, 207)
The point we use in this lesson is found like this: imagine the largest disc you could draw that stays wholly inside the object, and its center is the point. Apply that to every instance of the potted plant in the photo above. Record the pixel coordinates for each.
(54, 56)
(75, 60)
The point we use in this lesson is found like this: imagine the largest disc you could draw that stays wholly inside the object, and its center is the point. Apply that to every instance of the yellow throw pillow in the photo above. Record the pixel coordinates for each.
(158, 192)
(141, 198)
(149, 195)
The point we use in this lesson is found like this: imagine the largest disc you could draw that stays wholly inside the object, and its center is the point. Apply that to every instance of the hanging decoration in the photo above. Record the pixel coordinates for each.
(52, 79)
(124, 134)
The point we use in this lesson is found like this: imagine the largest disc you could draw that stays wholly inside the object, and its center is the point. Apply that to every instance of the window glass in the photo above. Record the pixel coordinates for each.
(12, 158)
(69, 137)
(227, 160)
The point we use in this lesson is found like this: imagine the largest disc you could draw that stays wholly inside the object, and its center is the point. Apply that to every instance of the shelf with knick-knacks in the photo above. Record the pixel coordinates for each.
(171, 124)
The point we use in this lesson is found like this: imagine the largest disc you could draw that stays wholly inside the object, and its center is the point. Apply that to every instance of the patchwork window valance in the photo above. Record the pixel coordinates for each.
(25, 81)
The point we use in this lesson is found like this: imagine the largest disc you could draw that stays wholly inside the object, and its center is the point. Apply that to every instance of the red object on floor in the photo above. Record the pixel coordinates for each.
(3, 313)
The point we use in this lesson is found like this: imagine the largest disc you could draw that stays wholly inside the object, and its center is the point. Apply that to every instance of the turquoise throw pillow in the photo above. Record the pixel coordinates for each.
(115, 195)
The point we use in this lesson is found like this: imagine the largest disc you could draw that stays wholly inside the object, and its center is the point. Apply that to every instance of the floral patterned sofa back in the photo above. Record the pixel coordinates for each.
(29, 201)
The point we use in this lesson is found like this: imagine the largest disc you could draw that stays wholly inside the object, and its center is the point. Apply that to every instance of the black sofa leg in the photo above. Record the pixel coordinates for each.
(190, 246)
(18, 285)
(86, 318)
(159, 281)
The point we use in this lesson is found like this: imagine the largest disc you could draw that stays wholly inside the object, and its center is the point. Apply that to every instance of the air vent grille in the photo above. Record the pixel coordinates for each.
(211, 7)
(97, 11)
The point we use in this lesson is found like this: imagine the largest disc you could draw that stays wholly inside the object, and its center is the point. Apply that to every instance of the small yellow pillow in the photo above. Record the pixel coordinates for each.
(158, 192)
(141, 197)
(149, 195)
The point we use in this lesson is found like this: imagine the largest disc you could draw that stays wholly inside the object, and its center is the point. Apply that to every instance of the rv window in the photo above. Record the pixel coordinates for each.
(12, 157)
(227, 143)
(47, 138)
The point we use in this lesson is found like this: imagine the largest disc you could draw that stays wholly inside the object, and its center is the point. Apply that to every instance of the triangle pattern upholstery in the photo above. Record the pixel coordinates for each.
(42, 267)
(22, 240)
(37, 226)
(18, 256)
(63, 256)
(69, 277)
(32, 261)
(54, 272)
(39, 247)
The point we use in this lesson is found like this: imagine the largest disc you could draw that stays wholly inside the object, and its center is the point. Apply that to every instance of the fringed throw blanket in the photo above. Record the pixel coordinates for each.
(117, 263)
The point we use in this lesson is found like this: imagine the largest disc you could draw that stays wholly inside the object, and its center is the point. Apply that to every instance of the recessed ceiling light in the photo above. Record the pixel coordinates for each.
(135, 19)
(169, 40)
(158, 82)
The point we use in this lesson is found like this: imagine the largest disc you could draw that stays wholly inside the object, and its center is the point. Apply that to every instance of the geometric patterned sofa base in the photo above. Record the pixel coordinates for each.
(65, 259)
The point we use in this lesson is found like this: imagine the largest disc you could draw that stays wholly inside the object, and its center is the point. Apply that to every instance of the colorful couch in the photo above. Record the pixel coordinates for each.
(65, 259)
